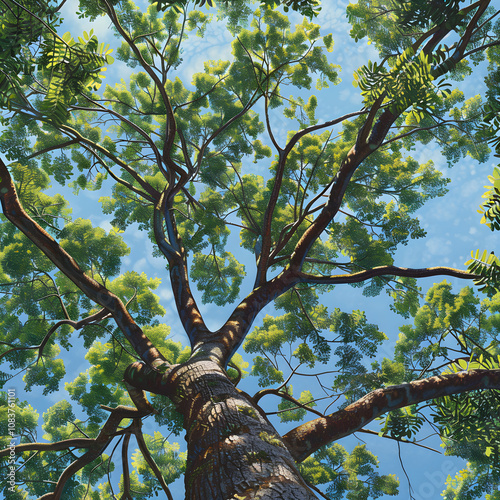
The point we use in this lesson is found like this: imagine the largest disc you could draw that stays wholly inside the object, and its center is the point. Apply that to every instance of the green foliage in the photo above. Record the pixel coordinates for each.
(491, 120)
(137, 290)
(348, 475)
(475, 481)
(177, 153)
(307, 339)
(95, 251)
(403, 423)
(374, 226)
(47, 373)
(283, 57)
(19, 30)
(491, 207)
(468, 422)
(406, 84)
(171, 463)
(289, 411)
(354, 329)
(405, 294)
(309, 8)
(384, 23)
(279, 338)
(471, 430)
(424, 14)
(72, 67)
(267, 373)
(26, 420)
(470, 427)
(218, 277)
(102, 384)
(445, 315)
(487, 268)
(67, 67)
(58, 423)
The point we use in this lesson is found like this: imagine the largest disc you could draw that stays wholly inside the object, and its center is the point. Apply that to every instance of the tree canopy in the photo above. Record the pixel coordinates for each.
(255, 204)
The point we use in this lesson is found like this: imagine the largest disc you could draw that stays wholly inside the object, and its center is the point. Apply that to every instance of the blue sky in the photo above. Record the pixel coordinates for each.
(451, 222)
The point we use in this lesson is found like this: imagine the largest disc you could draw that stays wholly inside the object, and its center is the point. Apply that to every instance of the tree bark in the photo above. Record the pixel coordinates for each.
(233, 450)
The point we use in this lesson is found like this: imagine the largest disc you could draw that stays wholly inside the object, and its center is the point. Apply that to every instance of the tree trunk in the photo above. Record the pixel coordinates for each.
(233, 450)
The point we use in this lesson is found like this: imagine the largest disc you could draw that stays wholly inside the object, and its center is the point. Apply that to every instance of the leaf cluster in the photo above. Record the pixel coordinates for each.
(348, 475)
(71, 67)
(308, 8)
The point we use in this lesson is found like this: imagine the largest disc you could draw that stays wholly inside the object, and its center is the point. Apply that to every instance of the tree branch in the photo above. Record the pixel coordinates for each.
(60, 445)
(189, 312)
(309, 437)
(171, 126)
(347, 168)
(153, 193)
(459, 53)
(51, 148)
(16, 214)
(149, 459)
(77, 325)
(99, 444)
(385, 271)
(364, 147)
(284, 395)
(278, 178)
(125, 467)
(121, 118)
(232, 334)
(402, 440)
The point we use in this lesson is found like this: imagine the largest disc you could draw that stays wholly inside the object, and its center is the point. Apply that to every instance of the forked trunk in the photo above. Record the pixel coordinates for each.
(233, 450)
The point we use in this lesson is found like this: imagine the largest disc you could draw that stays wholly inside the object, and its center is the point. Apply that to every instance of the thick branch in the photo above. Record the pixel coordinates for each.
(278, 179)
(309, 437)
(16, 214)
(95, 447)
(125, 467)
(171, 246)
(385, 271)
(60, 445)
(368, 143)
(232, 334)
(459, 52)
(99, 444)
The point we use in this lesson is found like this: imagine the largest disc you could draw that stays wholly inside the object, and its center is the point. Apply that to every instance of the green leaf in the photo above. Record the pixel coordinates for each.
(219, 277)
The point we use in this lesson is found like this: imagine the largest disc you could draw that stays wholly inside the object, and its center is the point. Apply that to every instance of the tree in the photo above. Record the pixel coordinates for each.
(174, 161)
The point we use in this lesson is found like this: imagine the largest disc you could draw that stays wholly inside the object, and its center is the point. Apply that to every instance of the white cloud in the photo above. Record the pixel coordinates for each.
(76, 26)
(438, 246)
(140, 266)
(215, 45)
(164, 293)
(106, 225)
(348, 96)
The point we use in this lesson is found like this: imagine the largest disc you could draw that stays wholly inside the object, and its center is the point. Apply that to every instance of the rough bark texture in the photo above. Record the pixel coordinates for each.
(233, 450)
